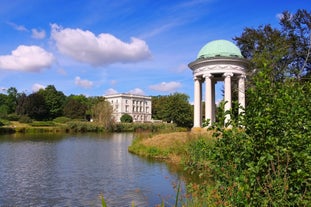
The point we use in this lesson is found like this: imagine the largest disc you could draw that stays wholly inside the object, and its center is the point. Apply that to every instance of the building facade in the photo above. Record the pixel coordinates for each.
(137, 106)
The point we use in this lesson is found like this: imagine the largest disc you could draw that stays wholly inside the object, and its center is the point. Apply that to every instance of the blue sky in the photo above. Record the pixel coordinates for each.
(98, 47)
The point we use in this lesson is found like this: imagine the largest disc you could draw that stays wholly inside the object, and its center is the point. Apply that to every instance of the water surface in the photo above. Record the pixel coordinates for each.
(74, 170)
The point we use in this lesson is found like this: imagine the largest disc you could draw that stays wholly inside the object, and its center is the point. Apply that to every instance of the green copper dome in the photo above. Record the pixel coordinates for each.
(220, 48)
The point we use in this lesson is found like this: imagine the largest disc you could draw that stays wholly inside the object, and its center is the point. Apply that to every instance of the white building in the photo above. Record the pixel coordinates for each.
(139, 107)
(218, 60)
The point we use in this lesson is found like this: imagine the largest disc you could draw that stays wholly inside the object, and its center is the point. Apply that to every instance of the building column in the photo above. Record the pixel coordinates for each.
(197, 103)
(208, 98)
(242, 93)
(228, 103)
(213, 102)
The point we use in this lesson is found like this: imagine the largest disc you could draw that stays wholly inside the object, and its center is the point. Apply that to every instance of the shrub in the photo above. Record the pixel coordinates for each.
(25, 119)
(268, 163)
(126, 118)
(13, 117)
(62, 119)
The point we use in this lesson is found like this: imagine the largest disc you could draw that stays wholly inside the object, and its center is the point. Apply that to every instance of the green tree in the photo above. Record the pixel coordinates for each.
(173, 108)
(74, 108)
(21, 104)
(3, 106)
(126, 118)
(54, 101)
(285, 50)
(11, 99)
(35, 107)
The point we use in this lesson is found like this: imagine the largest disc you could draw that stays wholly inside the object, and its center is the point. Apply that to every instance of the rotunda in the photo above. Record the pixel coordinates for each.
(218, 60)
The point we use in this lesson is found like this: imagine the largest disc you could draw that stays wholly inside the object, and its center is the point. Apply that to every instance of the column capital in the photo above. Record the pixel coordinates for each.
(242, 76)
(207, 75)
(195, 78)
(228, 74)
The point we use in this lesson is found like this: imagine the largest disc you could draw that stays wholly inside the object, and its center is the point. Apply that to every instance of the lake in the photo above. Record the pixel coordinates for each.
(74, 170)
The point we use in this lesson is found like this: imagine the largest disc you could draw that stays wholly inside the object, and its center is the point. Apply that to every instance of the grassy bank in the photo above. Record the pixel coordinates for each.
(185, 149)
(171, 147)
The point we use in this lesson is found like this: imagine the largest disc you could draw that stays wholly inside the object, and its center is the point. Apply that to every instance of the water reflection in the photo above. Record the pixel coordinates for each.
(73, 170)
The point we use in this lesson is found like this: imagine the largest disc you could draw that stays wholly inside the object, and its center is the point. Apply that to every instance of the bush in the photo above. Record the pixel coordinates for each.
(269, 162)
(126, 118)
(25, 119)
(62, 119)
(13, 117)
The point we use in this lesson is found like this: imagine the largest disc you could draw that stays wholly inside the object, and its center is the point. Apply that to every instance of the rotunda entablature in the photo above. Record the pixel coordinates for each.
(218, 66)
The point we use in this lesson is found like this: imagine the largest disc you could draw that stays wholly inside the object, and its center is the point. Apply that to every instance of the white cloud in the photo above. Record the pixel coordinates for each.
(37, 34)
(137, 91)
(36, 87)
(27, 58)
(99, 50)
(166, 87)
(110, 91)
(18, 27)
(83, 83)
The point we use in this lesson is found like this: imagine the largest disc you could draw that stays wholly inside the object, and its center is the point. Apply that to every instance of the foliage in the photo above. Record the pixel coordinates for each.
(11, 99)
(54, 101)
(126, 118)
(146, 127)
(102, 114)
(61, 119)
(4, 111)
(74, 109)
(13, 117)
(25, 119)
(35, 107)
(42, 124)
(267, 163)
(286, 50)
(83, 126)
(173, 108)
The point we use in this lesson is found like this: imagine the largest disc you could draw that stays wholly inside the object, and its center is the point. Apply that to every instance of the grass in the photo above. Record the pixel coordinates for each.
(174, 148)
(168, 146)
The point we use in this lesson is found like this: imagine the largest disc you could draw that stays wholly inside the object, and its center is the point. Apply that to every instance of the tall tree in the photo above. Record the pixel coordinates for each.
(74, 109)
(54, 101)
(35, 107)
(102, 113)
(12, 99)
(173, 108)
(285, 51)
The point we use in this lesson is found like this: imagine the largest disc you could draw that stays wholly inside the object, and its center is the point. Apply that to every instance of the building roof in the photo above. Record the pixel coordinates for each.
(127, 95)
(220, 48)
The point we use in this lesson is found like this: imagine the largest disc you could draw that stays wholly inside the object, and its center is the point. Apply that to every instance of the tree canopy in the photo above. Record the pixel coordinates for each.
(173, 108)
(285, 50)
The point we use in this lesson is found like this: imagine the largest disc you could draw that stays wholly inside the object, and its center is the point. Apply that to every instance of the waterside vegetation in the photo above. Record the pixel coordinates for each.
(81, 126)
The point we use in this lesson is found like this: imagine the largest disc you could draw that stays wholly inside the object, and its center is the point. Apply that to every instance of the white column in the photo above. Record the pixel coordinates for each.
(213, 102)
(208, 98)
(197, 103)
(227, 95)
(242, 93)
